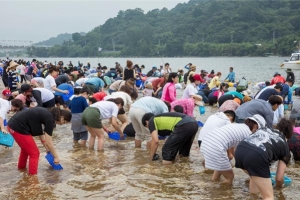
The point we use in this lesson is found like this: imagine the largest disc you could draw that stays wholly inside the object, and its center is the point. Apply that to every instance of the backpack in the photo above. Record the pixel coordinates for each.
(185, 77)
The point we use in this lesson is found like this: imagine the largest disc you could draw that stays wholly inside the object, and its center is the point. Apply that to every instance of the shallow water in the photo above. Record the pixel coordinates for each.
(123, 172)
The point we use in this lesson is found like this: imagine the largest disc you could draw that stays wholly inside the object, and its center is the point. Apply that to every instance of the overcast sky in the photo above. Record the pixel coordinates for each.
(39, 20)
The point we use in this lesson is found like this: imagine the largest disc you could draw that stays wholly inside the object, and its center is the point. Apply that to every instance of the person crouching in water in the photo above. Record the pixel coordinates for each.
(23, 125)
(174, 125)
(216, 143)
(255, 153)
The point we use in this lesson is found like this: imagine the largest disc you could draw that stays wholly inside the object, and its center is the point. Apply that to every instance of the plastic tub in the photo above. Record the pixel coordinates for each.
(66, 97)
(50, 159)
(115, 136)
(202, 110)
(287, 180)
(6, 139)
(200, 124)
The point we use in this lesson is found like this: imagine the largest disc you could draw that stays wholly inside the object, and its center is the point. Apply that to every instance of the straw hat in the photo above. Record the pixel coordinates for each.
(149, 86)
(12, 64)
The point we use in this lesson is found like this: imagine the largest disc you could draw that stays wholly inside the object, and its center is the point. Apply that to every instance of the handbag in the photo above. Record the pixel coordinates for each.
(6, 139)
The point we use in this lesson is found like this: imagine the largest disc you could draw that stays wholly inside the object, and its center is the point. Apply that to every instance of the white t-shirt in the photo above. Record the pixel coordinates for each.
(189, 90)
(46, 95)
(49, 82)
(126, 98)
(278, 114)
(81, 81)
(107, 109)
(4, 108)
(21, 69)
(40, 80)
(117, 84)
(213, 122)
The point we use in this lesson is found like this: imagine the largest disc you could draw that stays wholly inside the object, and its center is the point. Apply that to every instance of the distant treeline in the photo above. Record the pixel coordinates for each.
(197, 28)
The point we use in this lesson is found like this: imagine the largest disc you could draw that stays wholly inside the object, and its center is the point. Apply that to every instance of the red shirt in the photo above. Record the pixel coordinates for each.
(277, 79)
(156, 82)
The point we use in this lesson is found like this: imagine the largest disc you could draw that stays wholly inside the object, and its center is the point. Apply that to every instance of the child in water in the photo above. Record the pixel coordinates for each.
(77, 106)
(148, 91)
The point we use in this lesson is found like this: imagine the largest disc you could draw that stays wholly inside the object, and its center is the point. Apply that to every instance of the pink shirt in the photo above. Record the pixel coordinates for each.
(169, 93)
(187, 105)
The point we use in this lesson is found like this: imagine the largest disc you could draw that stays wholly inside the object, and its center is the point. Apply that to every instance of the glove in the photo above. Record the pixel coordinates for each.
(155, 157)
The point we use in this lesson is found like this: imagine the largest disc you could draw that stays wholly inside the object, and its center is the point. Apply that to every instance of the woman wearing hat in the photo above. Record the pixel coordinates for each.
(12, 76)
(148, 91)
(290, 74)
(216, 143)
(256, 152)
(191, 88)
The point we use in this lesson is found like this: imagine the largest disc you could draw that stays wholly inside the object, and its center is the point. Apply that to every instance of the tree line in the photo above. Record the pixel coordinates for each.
(197, 28)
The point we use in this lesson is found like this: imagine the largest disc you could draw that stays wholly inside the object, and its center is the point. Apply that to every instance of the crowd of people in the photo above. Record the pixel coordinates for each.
(247, 126)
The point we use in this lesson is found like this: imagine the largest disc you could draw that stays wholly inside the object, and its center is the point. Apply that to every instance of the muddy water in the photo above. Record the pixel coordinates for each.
(122, 172)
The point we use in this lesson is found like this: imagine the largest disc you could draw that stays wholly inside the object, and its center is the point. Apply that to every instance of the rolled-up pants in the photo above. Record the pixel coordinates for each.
(28, 149)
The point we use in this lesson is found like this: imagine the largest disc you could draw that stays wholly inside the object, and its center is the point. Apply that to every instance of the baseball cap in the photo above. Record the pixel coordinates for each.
(197, 77)
(6, 92)
(259, 120)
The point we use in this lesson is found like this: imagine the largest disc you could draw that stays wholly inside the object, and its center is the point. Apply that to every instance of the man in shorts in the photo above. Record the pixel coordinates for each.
(180, 128)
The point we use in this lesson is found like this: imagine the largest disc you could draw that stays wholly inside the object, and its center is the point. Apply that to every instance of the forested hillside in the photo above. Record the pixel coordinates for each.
(196, 28)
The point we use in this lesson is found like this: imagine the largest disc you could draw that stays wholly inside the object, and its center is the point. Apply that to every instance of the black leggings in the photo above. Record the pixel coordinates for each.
(22, 78)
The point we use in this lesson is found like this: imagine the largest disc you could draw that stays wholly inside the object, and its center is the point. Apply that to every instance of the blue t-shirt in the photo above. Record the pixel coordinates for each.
(78, 104)
(151, 104)
(64, 86)
(236, 94)
(98, 82)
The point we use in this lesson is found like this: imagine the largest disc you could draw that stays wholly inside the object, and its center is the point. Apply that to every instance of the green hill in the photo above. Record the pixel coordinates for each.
(196, 28)
(58, 40)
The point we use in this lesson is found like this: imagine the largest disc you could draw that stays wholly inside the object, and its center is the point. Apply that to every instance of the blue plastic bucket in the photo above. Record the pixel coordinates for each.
(138, 82)
(202, 110)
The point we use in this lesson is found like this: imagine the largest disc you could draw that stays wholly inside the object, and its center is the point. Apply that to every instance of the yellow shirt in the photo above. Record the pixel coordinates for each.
(214, 82)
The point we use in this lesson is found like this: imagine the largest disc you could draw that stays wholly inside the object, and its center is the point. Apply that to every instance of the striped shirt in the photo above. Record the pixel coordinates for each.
(215, 144)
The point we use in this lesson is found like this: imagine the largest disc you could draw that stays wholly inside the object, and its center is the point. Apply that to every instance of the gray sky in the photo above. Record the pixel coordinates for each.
(39, 20)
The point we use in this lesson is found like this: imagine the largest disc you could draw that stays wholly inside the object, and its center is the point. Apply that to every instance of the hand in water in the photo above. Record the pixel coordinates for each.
(121, 136)
(66, 91)
(56, 161)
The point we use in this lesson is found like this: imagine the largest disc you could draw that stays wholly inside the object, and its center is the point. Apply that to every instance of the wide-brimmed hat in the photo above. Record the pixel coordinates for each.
(246, 92)
(12, 64)
(149, 86)
(288, 70)
(197, 97)
(261, 122)
(193, 67)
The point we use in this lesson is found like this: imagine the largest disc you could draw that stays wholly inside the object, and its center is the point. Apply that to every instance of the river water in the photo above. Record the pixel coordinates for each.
(123, 172)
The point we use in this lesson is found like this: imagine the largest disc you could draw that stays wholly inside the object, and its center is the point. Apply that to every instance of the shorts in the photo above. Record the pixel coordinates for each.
(59, 99)
(253, 159)
(91, 117)
(80, 135)
(180, 141)
(49, 104)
